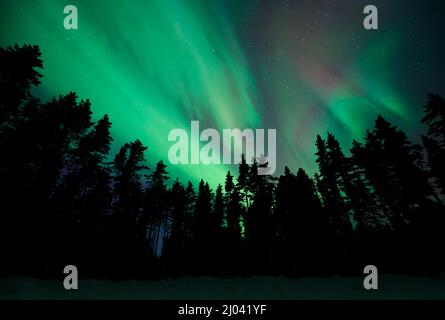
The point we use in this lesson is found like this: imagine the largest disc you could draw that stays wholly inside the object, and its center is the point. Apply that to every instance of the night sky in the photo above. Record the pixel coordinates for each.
(302, 67)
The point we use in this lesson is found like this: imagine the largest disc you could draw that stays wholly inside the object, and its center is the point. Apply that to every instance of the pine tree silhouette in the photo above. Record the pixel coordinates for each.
(174, 243)
(126, 239)
(156, 209)
(434, 141)
(330, 184)
(232, 231)
(18, 75)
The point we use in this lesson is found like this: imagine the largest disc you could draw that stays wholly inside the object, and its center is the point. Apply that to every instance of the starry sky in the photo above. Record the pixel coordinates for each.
(302, 67)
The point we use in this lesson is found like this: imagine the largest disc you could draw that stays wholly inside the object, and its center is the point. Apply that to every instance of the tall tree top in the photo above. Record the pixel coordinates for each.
(159, 175)
(435, 117)
(18, 71)
(229, 185)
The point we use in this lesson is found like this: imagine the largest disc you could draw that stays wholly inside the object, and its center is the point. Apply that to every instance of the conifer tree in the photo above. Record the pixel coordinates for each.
(125, 232)
(156, 208)
(434, 141)
(174, 244)
(393, 165)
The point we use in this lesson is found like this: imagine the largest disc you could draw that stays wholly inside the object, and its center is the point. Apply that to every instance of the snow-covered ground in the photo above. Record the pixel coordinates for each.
(273, 288)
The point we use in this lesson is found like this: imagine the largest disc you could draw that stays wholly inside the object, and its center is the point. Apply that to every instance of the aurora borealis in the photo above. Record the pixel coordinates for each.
(302, 67)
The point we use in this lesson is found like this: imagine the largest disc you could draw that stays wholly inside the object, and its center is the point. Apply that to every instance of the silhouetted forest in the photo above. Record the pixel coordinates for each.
(65, 200)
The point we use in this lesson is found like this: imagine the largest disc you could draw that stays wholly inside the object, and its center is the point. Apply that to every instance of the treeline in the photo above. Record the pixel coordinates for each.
(62, 201)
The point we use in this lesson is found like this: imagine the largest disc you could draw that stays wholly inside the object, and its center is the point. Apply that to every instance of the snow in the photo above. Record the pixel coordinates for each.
(267, 288)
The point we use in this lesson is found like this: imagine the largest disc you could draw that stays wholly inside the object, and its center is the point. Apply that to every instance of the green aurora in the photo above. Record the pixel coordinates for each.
(302, 67)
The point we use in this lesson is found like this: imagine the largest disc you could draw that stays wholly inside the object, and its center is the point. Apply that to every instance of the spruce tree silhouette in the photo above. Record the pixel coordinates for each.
(189, 216)
(156, 208)
(430, 221)
(394, 166)
(18, 75)
(218, 224)
(232, 232)
(259, 223)
(369, 214)
(330, 161)
(302, 226)
(126, 238)
(434, 141)
(203, 231)
(285, 212)
(174, 243)
(81, 198)
(243, 181)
